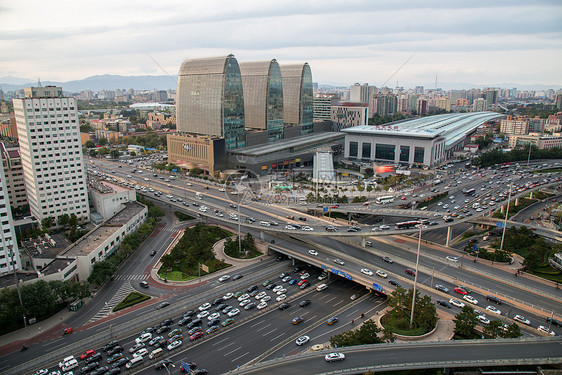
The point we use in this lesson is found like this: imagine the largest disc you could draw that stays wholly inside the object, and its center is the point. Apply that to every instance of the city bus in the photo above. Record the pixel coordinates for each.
(383, 200)
(406, 225)
(470, 192)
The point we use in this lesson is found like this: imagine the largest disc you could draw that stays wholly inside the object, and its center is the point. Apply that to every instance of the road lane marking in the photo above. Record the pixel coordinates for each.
(232, 351)
(352, 313)
(237, 358)
(226, 346)
(331, 299)
(267, 333)
(335, 304)
(216, 343)
(258, 323)
(276, 337)
(264, 327)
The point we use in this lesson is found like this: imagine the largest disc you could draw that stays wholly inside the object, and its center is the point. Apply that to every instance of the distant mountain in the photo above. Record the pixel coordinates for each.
(164, 82)
(96, 83)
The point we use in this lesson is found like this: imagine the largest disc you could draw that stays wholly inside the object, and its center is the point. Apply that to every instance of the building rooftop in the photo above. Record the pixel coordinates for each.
(93, 239)
(305, 141)
(451, 126)
(46, 247)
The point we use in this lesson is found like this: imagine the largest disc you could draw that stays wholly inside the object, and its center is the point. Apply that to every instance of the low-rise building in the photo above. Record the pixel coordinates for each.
(542, 141)
(108, 198)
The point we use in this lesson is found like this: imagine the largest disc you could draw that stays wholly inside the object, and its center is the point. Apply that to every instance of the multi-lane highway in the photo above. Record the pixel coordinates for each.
(269, 333)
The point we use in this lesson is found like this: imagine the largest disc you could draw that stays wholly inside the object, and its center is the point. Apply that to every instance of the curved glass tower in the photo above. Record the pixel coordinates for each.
(263, 97)
(210, 99)
(297, 96)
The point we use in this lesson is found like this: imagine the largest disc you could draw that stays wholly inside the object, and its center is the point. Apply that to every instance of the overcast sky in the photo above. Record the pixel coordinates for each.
(479, 41)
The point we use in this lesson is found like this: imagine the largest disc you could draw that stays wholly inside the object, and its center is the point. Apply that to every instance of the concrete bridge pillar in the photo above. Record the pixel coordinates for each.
(363, 241)
(262, 235)
(517, 201)
(448, 242)
(293, 261)
(502, 209)
(531, 195)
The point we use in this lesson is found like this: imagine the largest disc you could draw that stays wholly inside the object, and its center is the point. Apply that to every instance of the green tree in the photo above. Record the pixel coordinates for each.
(64, 220)
(493, 330)
(465, 322)
(90, 144)
(47, 223)
(86, 128)
(513, 332)
(114, 154)
(102, 141)
(101, 271)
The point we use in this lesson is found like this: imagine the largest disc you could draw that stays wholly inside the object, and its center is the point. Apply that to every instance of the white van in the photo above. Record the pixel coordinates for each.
(135, 361)
(67, 359)
(172, 177)
(265, 223)
(156, 353)
(69, 365)
(321, 287)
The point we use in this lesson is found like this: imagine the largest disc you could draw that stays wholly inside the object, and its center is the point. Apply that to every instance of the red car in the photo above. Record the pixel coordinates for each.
(403, 198)
(461, 291)
(88, 354)
(196, 335)
(67, 331)
(302, 282)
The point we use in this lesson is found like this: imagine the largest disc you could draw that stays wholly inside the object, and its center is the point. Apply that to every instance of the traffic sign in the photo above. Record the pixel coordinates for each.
(325, 209)
(377, 287)
(499, 224)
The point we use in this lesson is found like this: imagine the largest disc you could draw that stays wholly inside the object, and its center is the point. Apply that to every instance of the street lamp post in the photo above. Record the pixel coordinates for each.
(416, 278)
(505, 219)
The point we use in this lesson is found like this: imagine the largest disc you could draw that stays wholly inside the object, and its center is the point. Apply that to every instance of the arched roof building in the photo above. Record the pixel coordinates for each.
(298, 96)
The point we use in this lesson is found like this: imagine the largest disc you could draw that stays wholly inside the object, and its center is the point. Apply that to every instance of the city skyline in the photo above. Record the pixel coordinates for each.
(382, 43)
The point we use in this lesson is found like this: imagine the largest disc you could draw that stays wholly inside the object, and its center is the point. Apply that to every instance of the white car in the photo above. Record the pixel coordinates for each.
(545, 330)
(313, 252)
(203, 314)
(136, 347)
(367, 271)
(222, 190)
(483, 319)
(302, 340)
(384, 227)
(493, 310)
(305, 276)
(456, 302)
(233, 312)
(522, 319)
(322, 277)
(243, 297)
(260, 295)
(452, 258)
(140, 353)
(286, 279)
(307, 228)
(261, 305)
(224, 278)
(334, 357)
(339, 261)
(470, 299)
(382, 274)
(277, 288)
(281, 291)
(245, 302)
(290, 227)
(174, 345)
(228, 296)
(213, 316)
(265, 299)
(281, 297)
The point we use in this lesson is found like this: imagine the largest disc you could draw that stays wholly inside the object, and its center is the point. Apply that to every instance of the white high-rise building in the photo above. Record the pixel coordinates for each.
(51, 154)
(9, 254)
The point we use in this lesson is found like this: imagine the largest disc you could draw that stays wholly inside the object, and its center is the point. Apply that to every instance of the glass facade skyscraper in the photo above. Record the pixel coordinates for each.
(210, 99)
(298, 96)
(263, 97)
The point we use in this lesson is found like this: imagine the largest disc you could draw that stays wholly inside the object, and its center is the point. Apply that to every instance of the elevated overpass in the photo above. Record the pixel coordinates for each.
(418, 355)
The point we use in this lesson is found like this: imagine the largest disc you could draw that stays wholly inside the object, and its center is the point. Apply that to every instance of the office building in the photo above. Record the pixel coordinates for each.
(386, 104)
(542, 141)
(9, 253)
(51, 154)
(421, 106)
(263, 97)
(298, 96)
(347, 115)
(558, 102)
(13, 172)
(359, 93)
(514, 126)
(322, 109)
(210, 100)
(479, 105)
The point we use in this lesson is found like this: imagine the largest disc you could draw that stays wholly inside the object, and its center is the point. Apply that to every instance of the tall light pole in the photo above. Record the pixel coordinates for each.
(416, 278)
(529, 158)
(505, 219)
